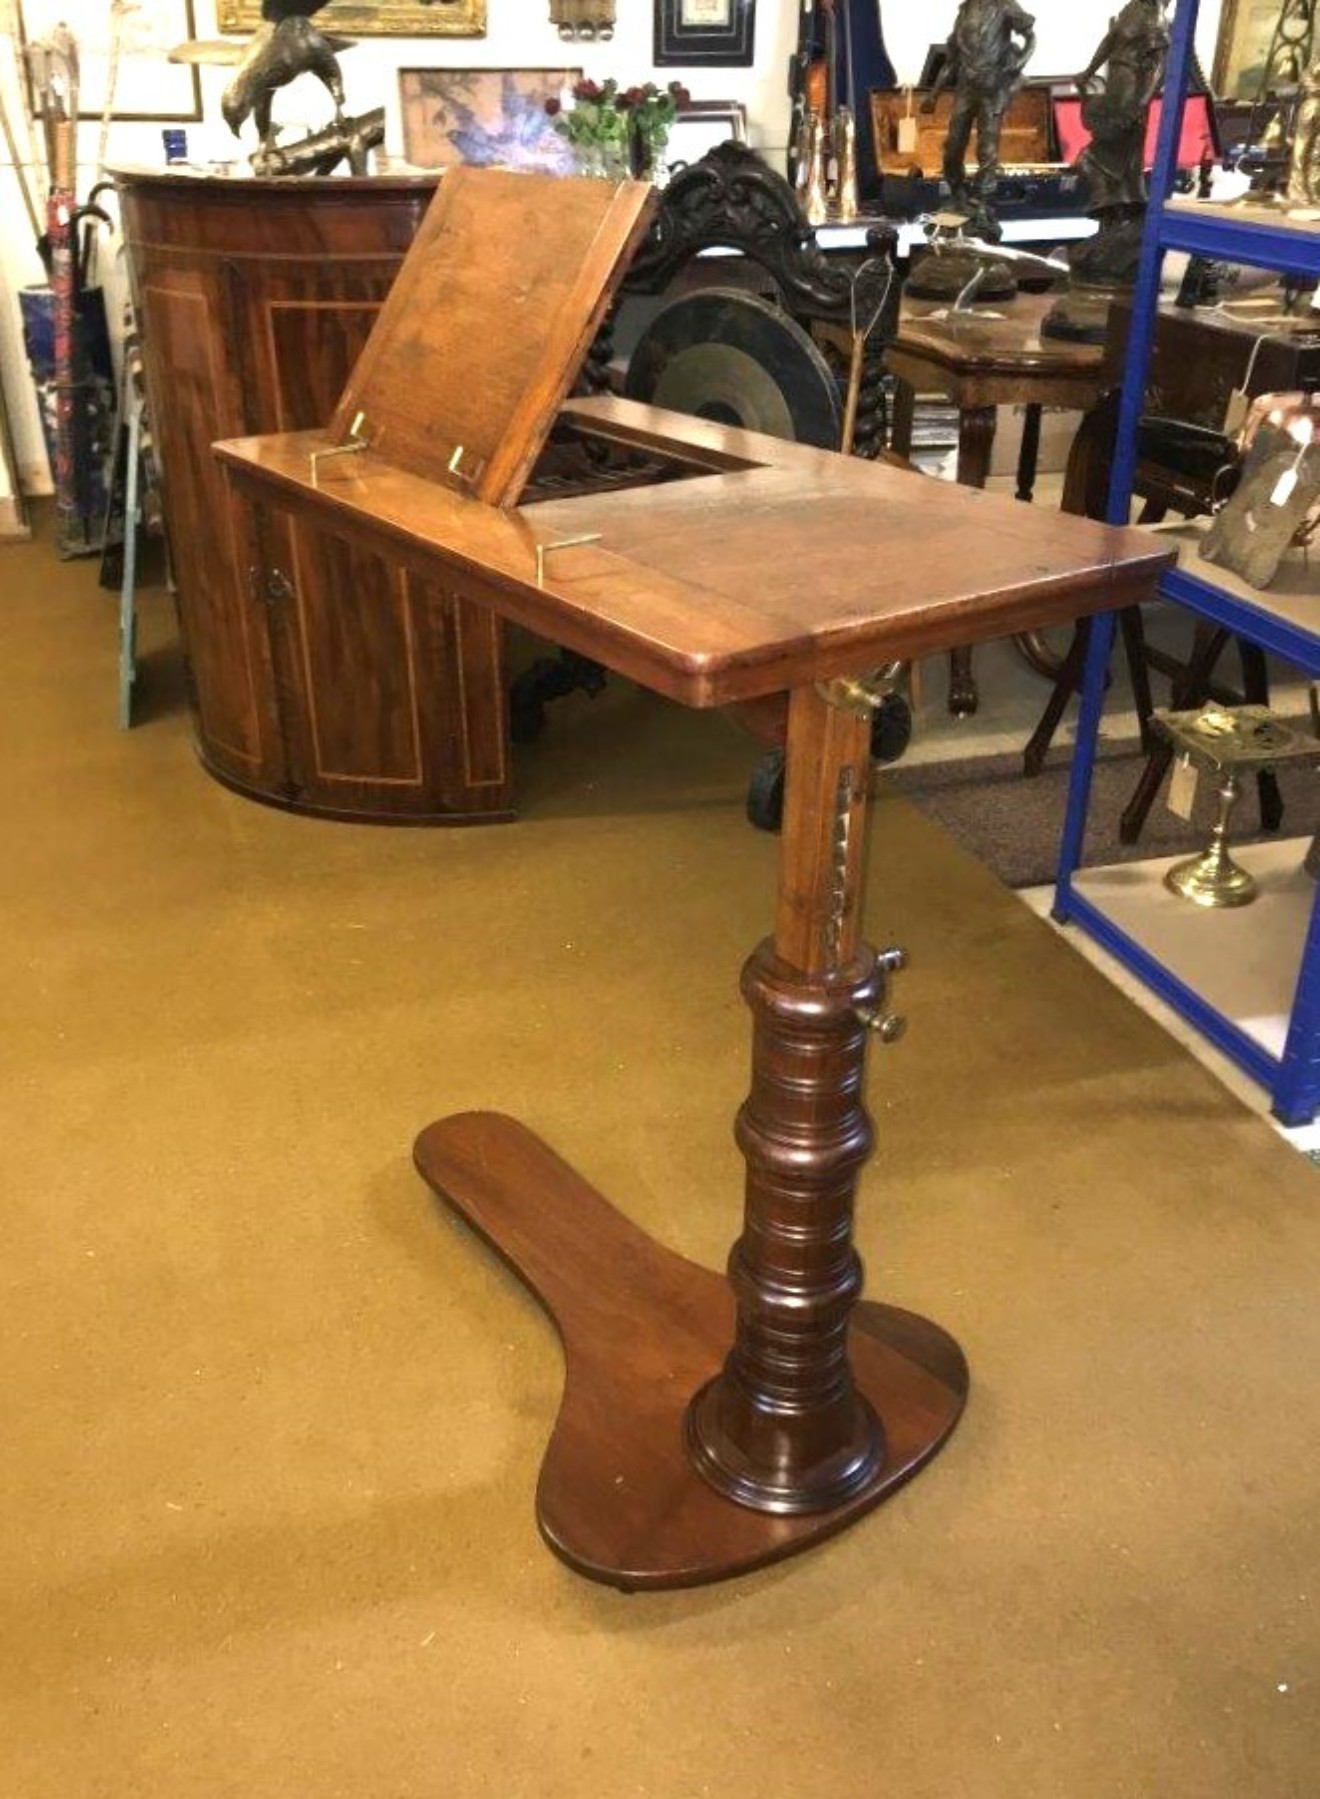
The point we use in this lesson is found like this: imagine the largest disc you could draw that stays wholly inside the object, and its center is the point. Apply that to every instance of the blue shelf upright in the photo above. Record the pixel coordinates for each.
(1260, 238)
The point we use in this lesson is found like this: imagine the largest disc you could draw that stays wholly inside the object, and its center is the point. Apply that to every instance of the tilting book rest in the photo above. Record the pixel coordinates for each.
(708, 1425)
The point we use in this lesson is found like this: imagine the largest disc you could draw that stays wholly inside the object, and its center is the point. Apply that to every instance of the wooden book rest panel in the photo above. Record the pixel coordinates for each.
(488, 322)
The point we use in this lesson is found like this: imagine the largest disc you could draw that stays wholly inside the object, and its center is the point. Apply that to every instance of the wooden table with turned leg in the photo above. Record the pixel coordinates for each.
(980, 360)
(710, 1425)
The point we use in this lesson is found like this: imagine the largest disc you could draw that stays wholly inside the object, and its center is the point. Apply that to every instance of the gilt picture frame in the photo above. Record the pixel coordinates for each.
(394, 18)
(702, 125)
(1246, 30)
(717, 34)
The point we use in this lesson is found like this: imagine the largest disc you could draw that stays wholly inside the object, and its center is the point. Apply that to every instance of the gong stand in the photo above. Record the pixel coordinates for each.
(731, 200)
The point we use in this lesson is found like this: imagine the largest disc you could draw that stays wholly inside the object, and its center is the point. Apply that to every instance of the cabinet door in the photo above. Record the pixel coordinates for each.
(391, 690)
(195, 400)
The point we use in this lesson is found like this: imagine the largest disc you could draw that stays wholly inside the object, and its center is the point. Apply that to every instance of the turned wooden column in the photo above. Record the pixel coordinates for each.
(783, 1428)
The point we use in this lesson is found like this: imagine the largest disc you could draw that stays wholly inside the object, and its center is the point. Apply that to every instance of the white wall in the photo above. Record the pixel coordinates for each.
(520, 35)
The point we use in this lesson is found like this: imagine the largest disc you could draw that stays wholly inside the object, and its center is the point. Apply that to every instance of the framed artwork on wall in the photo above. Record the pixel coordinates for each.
(701, 125)
(134, 57)
(1246, 30)
(484, 116)
(705, 33)
(393, 18)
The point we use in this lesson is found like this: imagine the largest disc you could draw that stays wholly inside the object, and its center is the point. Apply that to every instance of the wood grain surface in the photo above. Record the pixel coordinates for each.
(642, 1329)
(724, 587)
(488, 322)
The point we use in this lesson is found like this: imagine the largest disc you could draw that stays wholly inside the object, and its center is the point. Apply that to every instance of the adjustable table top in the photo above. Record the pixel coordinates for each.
(767, 566)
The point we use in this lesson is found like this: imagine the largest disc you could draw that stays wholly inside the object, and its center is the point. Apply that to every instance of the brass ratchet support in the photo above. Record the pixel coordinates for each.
(456, 469)
(564, 543)
(358, 440)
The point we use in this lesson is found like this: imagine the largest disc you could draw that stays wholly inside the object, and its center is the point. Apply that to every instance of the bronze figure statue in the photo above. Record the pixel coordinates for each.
(1303, 188)
(1115, 108)
(988, 48)
(287, 44)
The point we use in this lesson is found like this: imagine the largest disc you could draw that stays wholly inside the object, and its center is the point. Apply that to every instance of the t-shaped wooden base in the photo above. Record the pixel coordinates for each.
(710, 1426)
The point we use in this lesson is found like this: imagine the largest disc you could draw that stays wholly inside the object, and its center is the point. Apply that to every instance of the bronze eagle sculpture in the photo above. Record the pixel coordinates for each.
(285, 45)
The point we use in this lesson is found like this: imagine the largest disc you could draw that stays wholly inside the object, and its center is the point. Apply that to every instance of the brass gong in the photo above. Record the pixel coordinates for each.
(734, 358)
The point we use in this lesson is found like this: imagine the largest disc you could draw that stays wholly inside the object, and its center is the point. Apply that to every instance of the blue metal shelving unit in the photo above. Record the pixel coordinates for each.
(1253, 237)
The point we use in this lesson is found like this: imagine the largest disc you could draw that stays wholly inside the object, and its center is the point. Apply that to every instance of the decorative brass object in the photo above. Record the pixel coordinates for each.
(583, 18)
(1213, 878)
(887, 1026)
(862, 694)
(845, 205)
(1304, 164)
(1224, 740)
(394, 18)
(812, 190)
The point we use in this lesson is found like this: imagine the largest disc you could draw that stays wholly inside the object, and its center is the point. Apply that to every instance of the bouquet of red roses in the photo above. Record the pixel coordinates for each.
(625, 124)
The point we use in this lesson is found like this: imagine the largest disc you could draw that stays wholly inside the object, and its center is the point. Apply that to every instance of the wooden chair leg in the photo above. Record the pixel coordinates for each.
(1134, 644)
(1067, 681)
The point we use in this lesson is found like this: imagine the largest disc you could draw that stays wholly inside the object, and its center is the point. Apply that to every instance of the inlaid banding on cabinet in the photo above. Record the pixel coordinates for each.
(205, 499)
(485, 764)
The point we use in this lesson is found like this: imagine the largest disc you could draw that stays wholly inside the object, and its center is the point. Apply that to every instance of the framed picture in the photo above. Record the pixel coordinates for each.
(484, 116)
(393, 18)
(146, 84)
(709, 33)
(701, 125)
(1246, 30)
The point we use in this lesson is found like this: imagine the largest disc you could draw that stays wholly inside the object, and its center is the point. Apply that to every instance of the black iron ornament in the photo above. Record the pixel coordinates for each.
(705, 33)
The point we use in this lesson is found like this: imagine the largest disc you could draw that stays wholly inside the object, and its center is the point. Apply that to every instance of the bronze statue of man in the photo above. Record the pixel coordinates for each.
(988, 48)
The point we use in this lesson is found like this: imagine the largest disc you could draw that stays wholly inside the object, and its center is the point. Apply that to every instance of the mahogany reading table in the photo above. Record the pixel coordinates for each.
(712, 1425)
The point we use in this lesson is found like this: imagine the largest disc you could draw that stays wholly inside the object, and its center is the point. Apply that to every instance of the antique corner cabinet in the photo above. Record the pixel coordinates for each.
(322, 678)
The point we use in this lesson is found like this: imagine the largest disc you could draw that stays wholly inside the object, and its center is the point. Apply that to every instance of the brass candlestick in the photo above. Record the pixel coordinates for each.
(1224, 740)
(1213, 878)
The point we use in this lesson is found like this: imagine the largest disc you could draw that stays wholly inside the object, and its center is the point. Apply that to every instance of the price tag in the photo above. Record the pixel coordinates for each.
(1283, 487)
(1182, 788)
(1235, 413)
(907, 128)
